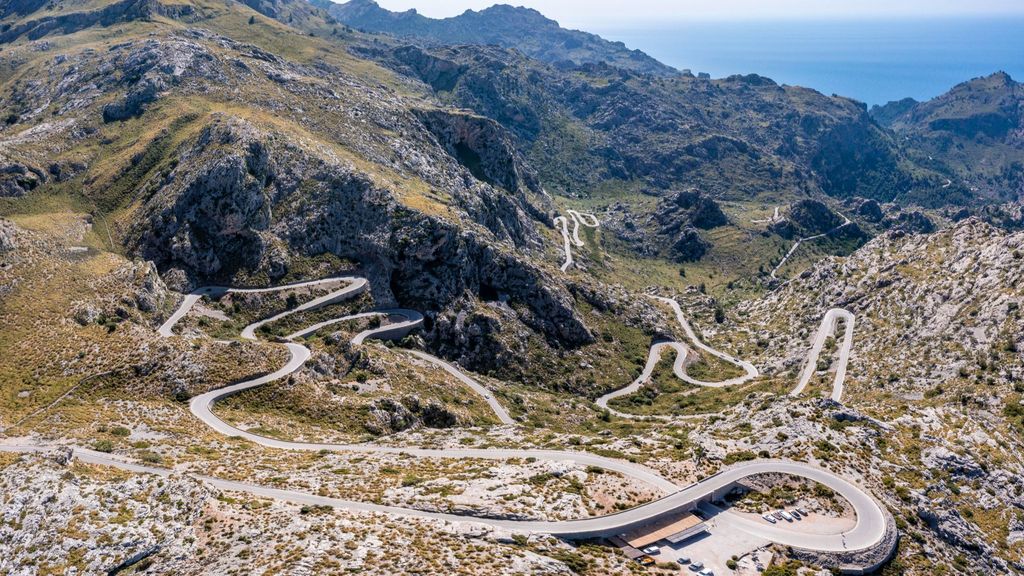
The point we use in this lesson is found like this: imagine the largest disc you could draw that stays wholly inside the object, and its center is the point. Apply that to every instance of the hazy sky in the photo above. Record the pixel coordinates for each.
(578, 13)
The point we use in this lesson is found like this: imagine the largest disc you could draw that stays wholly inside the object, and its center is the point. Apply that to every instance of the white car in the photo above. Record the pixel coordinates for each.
(786, 515)
(651, 550)
(706, 572)
(697, 566)
(771, 519)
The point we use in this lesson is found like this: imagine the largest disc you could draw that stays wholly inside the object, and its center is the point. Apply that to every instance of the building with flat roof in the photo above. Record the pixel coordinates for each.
(674, 529)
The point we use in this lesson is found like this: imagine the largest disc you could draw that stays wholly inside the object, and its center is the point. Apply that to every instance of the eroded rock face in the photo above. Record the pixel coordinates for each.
(911, 222)
(482, 146)
(689, 208)
(869, 210)
(18, 179)
(942, 458)
(388, 416)
(216, 220)
(150, 68)
(813, 217)
(689, 246)
(951, 527)
(73, 21)
(680, 215)
(439, 73)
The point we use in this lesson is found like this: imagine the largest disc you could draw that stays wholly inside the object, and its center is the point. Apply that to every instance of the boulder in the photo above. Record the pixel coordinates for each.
(18, 179)
(869, 210)
(942, 458)
(689, 246)
(911, 222)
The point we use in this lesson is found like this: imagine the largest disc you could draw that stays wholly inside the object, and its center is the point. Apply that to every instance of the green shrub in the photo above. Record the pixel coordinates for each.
(411, 481)
(741, 456)
(103, 446)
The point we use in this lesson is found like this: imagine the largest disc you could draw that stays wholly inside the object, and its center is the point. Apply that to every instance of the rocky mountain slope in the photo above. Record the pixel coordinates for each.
(148, 147)
(523, 29)
(974, 132)
(325, 158)
(938, 362)
(602, 126)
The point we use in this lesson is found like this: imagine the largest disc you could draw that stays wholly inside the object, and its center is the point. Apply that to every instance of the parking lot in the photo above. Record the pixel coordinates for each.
(723, 541)
(713, 548)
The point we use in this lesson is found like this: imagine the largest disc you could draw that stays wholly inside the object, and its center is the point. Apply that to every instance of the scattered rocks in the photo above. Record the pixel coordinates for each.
(910, 222)
(8, 236)
(44, 497)
(941, 458)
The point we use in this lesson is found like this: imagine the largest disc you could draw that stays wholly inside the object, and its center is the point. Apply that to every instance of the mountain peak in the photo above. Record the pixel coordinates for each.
(524, 29)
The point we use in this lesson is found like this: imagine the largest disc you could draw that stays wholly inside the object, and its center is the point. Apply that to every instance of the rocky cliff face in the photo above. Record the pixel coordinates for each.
(483, 147)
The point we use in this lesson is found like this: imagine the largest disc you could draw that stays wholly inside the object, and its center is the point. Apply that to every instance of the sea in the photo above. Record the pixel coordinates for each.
(874, 61)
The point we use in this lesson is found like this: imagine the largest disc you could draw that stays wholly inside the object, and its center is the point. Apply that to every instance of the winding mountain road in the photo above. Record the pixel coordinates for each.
(869, 530)
(578, 219)
(800, 241)
(679, 366)
(828, 328)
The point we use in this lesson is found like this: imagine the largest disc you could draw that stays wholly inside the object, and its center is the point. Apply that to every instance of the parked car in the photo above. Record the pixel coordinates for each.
(796, 514)
(777, 515)
(683, 560)
(651, 550)
(786, 516)
(706, 572)
(802, 511)
(697, 566)
(646, 561)
(769, 518)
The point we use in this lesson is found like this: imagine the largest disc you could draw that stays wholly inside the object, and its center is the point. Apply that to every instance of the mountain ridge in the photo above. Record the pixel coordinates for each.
(974, 132)
(512, 27)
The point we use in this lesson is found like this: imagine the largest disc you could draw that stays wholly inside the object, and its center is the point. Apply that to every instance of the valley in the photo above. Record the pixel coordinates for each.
(295, 287)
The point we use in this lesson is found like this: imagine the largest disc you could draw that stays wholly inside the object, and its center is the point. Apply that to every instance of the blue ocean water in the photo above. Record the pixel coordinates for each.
(874, 61)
